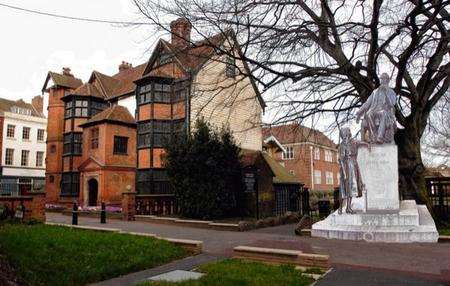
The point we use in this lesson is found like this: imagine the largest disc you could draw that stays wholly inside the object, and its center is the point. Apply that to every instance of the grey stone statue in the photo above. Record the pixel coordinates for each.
(378, 114)
(351, 184)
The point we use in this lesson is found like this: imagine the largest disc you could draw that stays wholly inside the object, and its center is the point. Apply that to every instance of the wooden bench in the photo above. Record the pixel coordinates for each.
(281, 256)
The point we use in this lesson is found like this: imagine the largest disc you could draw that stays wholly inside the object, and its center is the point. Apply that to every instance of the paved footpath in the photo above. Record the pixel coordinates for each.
(374, 263)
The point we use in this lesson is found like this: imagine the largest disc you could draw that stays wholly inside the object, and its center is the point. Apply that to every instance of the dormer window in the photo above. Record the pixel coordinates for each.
(20, 110)
(230, 68)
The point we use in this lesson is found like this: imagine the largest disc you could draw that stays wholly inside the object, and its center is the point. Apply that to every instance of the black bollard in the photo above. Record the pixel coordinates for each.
(103, 214)
(75, 214)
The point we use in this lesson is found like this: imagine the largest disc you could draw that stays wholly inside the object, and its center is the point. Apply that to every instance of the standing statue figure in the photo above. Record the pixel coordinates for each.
(378, 114)
(351, 184)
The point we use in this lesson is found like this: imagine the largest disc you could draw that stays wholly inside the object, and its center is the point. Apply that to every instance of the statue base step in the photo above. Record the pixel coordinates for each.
(412, 223)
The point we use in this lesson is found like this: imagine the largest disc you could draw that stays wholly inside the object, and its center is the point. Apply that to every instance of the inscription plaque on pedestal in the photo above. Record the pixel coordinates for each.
(379, 172)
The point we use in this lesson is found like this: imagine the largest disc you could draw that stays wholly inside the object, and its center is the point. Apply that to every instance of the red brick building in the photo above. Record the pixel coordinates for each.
(308, 154)
(75, 171)
(176, 86)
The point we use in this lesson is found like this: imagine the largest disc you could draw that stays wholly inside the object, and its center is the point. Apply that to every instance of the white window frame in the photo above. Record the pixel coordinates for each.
(316, 153)
(317, 177)
(25, 155)
(329, 178)
(328, 156)
(289, 154)
(24, 133)
(7, 163)
(10, 127)
(39, 131)
(39, 160)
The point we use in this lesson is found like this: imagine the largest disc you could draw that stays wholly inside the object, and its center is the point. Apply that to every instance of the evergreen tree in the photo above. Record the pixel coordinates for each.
(205, 171)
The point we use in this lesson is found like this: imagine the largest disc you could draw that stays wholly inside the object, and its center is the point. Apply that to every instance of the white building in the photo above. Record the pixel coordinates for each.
(22, 141)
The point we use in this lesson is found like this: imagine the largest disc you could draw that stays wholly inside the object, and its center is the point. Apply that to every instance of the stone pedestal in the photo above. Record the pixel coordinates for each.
(380, 216)
(379, 172)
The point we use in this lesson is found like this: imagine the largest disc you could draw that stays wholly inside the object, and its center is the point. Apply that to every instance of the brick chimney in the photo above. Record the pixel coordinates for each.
(38, 103)
(124, 66)
(181, 32)
(66, 71)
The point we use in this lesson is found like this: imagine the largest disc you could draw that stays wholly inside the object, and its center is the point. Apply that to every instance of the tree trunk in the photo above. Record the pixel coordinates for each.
(411, 169)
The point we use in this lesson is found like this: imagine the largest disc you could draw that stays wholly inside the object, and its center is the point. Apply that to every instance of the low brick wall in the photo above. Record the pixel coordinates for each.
(34, 204)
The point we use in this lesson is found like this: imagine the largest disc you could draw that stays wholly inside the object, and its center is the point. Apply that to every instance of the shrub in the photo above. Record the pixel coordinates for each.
(205, 172)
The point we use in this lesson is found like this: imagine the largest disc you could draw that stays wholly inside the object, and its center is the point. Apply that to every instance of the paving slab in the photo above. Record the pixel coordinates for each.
(177, 276)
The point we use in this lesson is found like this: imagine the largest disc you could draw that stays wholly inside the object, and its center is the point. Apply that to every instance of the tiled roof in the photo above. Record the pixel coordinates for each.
(115, 114)
(280, 174)
(295, 133)
(126, 80)
(6, 106)
(63, 80)
(88, 89)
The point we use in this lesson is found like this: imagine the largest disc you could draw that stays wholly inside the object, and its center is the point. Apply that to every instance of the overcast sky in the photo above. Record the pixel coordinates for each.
(31, 45)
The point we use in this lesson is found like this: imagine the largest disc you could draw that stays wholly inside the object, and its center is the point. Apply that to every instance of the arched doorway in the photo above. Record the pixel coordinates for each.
(93, 192)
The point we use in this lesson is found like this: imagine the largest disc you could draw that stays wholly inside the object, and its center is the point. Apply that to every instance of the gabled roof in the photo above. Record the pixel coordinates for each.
(115, 114)
(62, 80)
(192, 58)
(272, 141)
(280, 174)
(6, 105)
(126, 80)
(88, 89)
(296, 133)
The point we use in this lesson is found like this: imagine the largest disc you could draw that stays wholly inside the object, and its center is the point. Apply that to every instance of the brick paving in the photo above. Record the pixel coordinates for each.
(429, 260)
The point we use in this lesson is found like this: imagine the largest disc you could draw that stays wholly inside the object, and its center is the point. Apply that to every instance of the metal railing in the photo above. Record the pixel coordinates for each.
(438, 189)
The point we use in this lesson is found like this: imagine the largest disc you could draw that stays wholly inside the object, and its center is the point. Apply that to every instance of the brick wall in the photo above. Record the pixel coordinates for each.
(34, 205)
(128, 205)
(301, 165)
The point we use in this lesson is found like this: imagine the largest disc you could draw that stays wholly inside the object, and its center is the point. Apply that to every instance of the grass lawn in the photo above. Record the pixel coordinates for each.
(444, 231)
(234, 272)
(53, 255)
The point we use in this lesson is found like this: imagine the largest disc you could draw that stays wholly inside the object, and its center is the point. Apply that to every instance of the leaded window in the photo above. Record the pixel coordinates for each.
(162, 92)
(81, 108)
(70, 184)
(73, 144)
(94, 137)
(120, 145)
(161, 131)
(153, 181)
(97, 107)
(230, 68)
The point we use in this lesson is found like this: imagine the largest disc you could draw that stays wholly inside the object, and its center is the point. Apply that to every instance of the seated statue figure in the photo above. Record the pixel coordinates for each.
(378, 114)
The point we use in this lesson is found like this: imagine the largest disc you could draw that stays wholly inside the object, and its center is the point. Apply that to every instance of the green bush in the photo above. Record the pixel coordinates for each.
(205, 172)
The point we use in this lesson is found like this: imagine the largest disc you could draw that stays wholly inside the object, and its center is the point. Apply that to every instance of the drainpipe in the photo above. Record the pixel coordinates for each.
(312, 166)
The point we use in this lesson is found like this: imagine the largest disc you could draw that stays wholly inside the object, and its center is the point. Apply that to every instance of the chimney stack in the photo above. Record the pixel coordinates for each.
(66, 71)
(38, 103)
(181, 32)
(124, 66)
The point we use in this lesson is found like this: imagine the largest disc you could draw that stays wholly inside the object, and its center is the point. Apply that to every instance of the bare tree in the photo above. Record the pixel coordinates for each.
(318, 57)
(436, 138)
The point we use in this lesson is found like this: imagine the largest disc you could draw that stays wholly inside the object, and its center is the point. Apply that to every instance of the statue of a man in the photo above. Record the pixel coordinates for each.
(378, 114)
